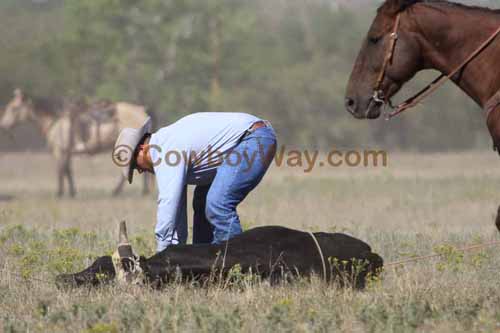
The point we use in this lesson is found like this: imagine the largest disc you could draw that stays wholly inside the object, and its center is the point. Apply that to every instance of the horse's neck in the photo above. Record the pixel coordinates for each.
(45, 122)
(450, 36)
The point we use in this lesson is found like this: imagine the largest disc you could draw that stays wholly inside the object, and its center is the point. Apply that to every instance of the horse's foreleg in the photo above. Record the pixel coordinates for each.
(493, 123)
(69, 175)
(60, 179)
(119, 187)
(497, 220)
(145, 187)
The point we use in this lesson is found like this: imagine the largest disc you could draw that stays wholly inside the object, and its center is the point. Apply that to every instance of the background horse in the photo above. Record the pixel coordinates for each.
(437, 35)
(69, 129)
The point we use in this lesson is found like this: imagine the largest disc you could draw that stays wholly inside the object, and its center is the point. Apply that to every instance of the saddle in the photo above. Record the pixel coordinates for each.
(88, 124)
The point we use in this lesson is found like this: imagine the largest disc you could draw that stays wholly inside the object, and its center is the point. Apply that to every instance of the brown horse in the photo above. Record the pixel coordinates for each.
(437, 35)
(69, 130)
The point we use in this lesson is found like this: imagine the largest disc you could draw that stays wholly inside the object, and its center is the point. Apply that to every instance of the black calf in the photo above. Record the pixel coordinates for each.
(270, 252)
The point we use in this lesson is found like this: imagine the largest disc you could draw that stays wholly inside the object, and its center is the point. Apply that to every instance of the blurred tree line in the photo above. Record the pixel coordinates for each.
(285, 60)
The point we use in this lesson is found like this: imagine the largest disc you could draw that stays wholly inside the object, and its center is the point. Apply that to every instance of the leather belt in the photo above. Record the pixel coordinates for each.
(257, 125)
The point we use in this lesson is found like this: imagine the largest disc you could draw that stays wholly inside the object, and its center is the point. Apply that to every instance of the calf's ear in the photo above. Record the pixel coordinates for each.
(124, 247)
(126, 262)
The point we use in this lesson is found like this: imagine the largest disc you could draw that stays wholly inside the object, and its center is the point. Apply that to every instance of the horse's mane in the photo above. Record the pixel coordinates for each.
(408, 3)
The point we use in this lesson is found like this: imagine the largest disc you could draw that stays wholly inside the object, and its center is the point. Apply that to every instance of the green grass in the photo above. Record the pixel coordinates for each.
(419, 205)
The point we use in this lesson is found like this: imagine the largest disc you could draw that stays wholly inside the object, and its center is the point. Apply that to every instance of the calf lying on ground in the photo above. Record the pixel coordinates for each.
(269, 252)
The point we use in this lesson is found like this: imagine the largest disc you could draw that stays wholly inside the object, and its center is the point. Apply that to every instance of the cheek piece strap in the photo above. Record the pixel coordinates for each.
(380, 97)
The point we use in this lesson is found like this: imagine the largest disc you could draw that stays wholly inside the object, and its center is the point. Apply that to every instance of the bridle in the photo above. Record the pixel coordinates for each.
(378, 93)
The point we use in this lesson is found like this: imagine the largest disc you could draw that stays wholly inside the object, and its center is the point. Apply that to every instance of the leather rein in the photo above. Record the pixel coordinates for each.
(378, 93)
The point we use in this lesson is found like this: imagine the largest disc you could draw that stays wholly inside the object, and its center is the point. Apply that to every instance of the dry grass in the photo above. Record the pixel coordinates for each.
(420, 204)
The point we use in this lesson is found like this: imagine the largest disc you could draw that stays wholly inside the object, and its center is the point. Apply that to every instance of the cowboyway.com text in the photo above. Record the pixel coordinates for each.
(305, 159)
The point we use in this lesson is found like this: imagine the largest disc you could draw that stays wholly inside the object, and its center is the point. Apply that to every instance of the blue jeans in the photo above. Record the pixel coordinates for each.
(215, 217)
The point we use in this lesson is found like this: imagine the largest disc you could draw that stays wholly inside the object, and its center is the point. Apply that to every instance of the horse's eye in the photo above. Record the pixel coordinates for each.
(374, 39)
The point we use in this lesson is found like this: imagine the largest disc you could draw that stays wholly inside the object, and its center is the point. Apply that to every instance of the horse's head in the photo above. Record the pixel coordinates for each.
(364, 97)
(19, 110)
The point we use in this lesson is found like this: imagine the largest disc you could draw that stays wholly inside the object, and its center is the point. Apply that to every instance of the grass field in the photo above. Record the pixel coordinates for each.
(418, 205)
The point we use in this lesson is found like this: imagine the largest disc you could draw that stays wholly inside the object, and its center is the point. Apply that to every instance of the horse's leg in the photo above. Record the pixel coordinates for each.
(69, 175)
(497, 220)
(145, 187)
(59, 159)
(119, 188)
(493, 123)
(60, 179)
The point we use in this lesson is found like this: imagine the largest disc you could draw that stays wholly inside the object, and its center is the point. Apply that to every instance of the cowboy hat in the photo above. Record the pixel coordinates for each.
(125, 150)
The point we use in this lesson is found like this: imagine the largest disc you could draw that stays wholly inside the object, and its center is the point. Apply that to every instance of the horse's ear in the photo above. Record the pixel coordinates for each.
(397, 6)
(18, 92)
(403, 4)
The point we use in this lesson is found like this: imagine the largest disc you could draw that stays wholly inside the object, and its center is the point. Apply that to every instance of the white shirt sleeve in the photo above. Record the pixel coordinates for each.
(171, 226)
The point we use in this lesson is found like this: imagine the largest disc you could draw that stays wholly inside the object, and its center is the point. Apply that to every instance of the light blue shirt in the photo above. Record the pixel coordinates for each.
(189, 152)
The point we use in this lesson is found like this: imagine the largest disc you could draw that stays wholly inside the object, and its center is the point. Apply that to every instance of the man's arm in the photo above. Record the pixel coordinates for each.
(171, 223)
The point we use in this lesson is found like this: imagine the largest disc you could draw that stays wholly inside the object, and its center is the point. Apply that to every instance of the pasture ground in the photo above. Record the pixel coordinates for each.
(419, 204)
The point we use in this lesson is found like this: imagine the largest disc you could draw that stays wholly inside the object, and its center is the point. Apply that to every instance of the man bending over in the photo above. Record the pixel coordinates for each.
(224, 154)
